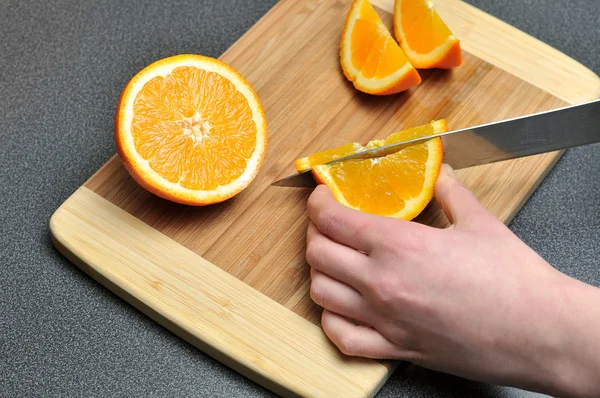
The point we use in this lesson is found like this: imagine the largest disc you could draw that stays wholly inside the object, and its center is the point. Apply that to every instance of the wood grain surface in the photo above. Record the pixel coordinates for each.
(232, 278)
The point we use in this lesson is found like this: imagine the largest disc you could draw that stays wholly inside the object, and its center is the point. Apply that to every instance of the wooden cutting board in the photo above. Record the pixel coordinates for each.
(231, 278)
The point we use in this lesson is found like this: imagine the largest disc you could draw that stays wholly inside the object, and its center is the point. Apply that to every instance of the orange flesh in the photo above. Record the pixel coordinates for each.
(323, 157)
(412, 133)
(423, 26)
(391, 60)
(398, 185)
(306, 163)
(383, 185)
(374, 51)
(194, 128)
(364, 36)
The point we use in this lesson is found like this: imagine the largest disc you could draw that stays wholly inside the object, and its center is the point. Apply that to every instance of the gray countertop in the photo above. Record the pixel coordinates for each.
(63, 63)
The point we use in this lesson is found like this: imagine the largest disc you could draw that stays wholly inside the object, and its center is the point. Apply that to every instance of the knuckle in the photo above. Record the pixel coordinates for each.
(311, 203)
(386, 291)
(326, 220)
(313, 249)
(444, 187)
(368, 228)
(349, 345)
(371, 282)
(316, 292)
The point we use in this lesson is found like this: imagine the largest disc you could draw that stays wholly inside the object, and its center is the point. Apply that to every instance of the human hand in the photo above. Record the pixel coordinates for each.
(471, 300)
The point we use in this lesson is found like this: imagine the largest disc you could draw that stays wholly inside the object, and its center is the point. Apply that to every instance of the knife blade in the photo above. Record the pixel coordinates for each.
(541, 132)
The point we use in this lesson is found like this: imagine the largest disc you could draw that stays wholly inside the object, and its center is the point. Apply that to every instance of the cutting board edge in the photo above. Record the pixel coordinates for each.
(162, 320)
(172, 327)
(374, 373)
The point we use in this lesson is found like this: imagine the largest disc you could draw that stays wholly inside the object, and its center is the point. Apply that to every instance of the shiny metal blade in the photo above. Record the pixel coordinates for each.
(299, 180)
(525, 136)
(542, 132)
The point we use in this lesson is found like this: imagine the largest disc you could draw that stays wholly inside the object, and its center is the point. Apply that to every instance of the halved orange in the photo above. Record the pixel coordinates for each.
(399, 185)
(424, 37)
(191, 129)
(370, 57)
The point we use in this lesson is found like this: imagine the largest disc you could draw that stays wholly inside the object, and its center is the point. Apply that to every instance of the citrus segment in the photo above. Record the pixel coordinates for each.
(424, 37)
(306, 163)
(398, 185)
(369, 56)
(190, 129)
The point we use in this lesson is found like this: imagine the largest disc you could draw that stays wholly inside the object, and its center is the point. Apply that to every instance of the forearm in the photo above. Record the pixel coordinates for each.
(576, 362)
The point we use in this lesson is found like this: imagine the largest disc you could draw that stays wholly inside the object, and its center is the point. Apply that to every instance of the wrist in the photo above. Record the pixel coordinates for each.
(574, 361)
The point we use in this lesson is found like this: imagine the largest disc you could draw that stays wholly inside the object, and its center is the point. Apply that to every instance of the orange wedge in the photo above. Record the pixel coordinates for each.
(308, 162)
(370, 57)
(424, 37)
(399, 185)
(191, 130)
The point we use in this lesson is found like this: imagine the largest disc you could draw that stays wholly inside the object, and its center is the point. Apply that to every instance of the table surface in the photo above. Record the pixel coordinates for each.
(63, 65)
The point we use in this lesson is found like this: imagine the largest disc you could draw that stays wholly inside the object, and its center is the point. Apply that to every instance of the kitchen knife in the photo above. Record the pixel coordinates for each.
(542, 132)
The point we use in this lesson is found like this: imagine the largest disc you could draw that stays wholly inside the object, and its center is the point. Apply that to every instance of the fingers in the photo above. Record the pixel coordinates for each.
(357, 340)
(340, 223)
(337, 261)
(337, 297)
(459, 204)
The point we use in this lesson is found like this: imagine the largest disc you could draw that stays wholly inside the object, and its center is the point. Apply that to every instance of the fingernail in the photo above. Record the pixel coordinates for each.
(449, 169)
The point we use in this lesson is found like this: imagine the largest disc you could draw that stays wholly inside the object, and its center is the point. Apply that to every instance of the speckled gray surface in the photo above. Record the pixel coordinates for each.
(62, 65)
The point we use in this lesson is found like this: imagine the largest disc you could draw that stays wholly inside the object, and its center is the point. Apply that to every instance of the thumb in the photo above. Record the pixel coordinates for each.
(459, 204)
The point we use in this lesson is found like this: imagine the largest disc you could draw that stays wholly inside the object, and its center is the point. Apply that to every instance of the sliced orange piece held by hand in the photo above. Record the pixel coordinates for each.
(370, 57)
(190, 129)
(399, 185)
(424, 37)
(308, 162)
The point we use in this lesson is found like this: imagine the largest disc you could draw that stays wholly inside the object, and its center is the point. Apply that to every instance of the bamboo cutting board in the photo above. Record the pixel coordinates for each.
(231, 278)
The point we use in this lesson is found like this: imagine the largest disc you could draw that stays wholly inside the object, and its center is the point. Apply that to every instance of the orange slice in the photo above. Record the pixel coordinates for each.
(399, 185)
(370, 57)
(190, 129)
(308, 162)
(424, 37)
